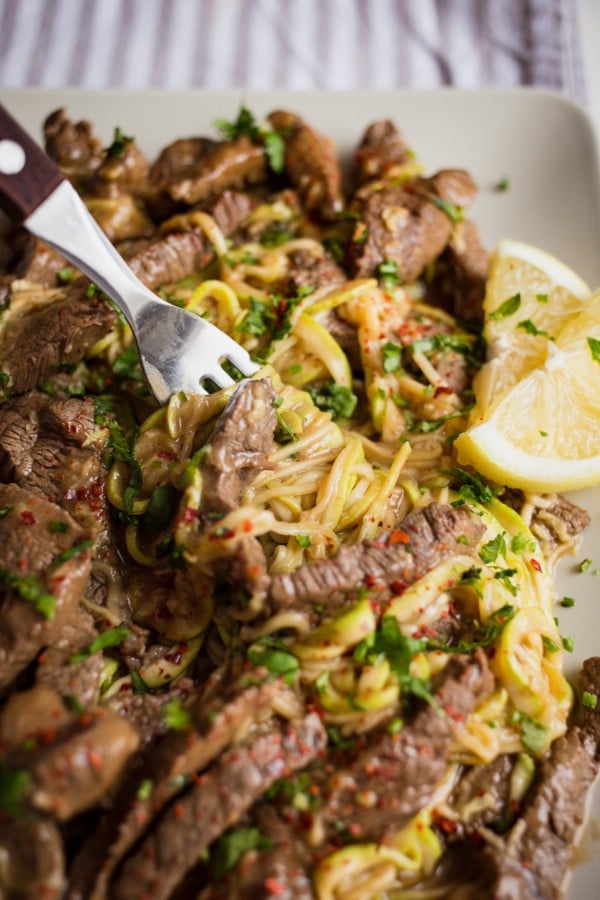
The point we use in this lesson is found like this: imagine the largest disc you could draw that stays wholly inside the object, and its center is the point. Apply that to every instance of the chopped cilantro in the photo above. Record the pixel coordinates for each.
(506, 309)
(584, 565)
(75, 550)
(175, 716)
(335, 398)
(116, 150)
(531, 328)
(471, 485)
(13, 786)
(65, 275)
(567, 602)
(274, 656)
(495, 547)
(231, 847)
(30, 589)
(112, 637)
(454, 212)
(594, 346)
(161, 508)
(388, 274)
(391, 355)
(533, 733)
(502, 185)
(246, 124)
(303, 540)
(589, 700)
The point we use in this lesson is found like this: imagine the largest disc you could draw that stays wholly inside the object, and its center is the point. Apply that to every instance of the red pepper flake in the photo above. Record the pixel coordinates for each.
(28, 518)
(398, 587)
(166, 456)
(95, 760)
(247, 525)
(274, 887)
(535, 565)
(179, 810)
(189, 515)
(399, 537)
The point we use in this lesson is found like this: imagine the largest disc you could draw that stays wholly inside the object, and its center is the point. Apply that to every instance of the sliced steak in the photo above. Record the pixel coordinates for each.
(72, 145)
(307, 270)
(231, 210)
(78, 683)
(589, 684)
(381, 151)
(402, 770)
(408, 224)
(460, 275)
(386, 565)
(311, 165)
(481, 797)
(59, 333)
(216, 725)
(38, 262)
(39, 592)
(538, 852)
(239, 445)
(48, 446)
(72, 769)
(229, 165)
(171, 258)
(218, 799)
(33, 859)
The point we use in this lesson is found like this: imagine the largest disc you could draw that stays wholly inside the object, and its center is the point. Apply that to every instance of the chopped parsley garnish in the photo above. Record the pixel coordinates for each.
(454, 212)
(127, 364)
(175, 716)
(567, 602)
(506, 309)
(399, 650)
(161, 508)
(531, 328)
(520, 544)
(68, 554)
(502, 185)
(13, 786)
(495, 547)
(231, 847)
(391, 355)
(5, 511)
(55, 526)
(584, 565)
(112, 637)
(594, 346)
(30, 589)
(274, 655)
(335, 398)
(550, 646)
(283, 433)
(533, 733)
(65, 275)
(277, 234)
(304, 540)
(589, 700)
(471, 485)
(116, 150)
(246, 124)
(388, 274)
(123, 452)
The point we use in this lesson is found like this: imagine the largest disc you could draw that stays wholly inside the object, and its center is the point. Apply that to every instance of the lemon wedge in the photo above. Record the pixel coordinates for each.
(543, 432)
(530, 295)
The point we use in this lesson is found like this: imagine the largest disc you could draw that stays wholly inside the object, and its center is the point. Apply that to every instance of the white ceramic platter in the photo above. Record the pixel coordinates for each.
(542, 143)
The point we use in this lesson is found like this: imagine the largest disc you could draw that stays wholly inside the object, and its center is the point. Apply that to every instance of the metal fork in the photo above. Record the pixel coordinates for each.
(177, 349)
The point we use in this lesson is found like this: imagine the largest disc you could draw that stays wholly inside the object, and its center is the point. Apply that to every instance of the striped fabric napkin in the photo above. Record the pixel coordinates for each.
(296, 44)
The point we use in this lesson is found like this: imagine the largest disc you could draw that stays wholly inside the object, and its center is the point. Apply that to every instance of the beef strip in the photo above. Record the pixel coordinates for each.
(589, 683)
(538, 850)
(460, 275)
(231, 210)
(33, 859)
(311, 164)
(557, 521)
(77, 682)
(305, 270)
(385, 565)
(47, 446)
(239, 445)
(171, 258)
(366, 791)
(33, 536)
(56, 334)
(217, 724)
(73, 768)
(229, 165)
(481, 796)
(72, 145)
(402, 770)
(218, 799)
(381, 151)
(408, 224)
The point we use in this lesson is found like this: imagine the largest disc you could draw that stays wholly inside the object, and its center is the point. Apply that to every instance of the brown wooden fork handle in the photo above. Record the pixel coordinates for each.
(27, 175)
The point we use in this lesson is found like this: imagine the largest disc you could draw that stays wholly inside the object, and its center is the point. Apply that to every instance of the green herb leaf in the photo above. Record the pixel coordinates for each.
(175, 716)
(496, 547)
(231, 847)
(335, 398)
(112, 637)
(506, 309)
(454, 212)
(471, 485)
(533, 733)
(388, 274)
(531, 328)
(116, 150)
(161, 508)
(274, 656)
(30, 589)
(68, 554)
(13, 786)
(594, 346)
(304, 540)
(391, 355)
(589, 700)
